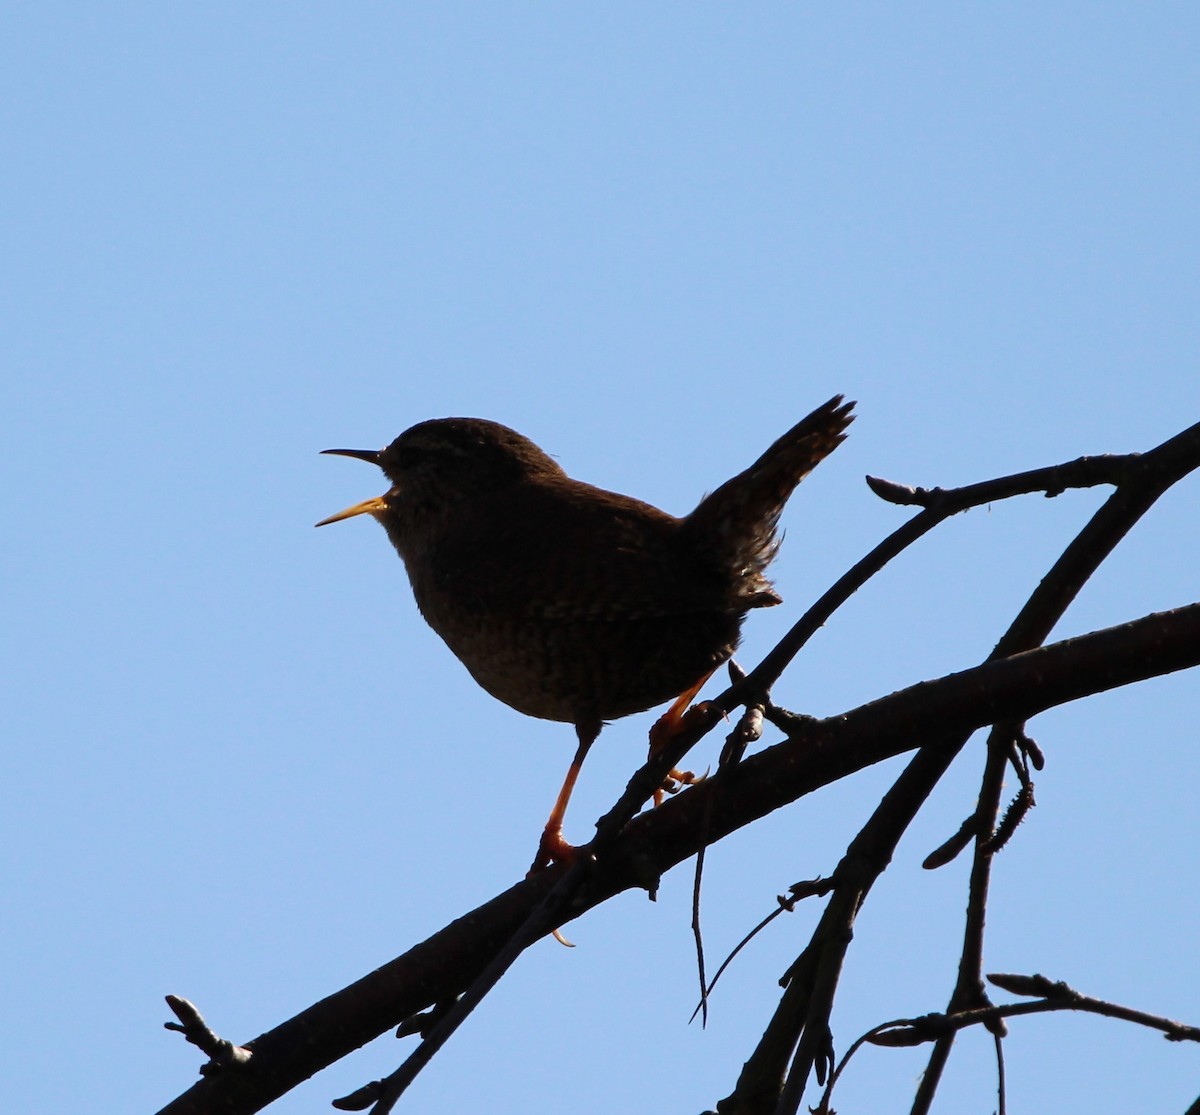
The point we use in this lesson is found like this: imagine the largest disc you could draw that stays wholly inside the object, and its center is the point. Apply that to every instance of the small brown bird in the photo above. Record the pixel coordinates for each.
(569, 602)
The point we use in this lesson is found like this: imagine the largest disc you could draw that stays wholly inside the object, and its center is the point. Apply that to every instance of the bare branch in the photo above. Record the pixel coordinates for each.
(1142, 480)
(1052, 995)
(441, 966)
(458, 964)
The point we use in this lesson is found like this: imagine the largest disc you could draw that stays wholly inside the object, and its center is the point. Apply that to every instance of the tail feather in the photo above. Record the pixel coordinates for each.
(738, 522)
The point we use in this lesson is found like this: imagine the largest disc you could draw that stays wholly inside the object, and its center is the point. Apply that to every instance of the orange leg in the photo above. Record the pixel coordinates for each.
(667, 726)
(553, 847)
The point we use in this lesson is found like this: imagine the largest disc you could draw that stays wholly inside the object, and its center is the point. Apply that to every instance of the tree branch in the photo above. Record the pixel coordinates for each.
(819, 753)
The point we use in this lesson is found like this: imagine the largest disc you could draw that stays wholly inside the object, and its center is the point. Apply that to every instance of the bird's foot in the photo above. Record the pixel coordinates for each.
(674, 720)
(674, 782)
(552, 848)
(665, 729)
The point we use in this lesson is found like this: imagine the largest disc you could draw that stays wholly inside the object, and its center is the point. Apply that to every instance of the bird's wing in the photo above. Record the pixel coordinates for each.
(604, 557)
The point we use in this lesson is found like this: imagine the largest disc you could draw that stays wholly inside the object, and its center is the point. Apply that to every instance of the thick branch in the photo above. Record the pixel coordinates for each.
(1014, 688)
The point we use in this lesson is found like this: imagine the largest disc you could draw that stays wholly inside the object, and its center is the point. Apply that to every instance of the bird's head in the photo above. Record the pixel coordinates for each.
(443, 467)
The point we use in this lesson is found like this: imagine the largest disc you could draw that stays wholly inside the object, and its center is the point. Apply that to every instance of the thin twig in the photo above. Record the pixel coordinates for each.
(796, 892)
(1052, 995)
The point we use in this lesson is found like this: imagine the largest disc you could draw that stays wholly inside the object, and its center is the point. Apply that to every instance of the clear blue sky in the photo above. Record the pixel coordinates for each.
(237, 765)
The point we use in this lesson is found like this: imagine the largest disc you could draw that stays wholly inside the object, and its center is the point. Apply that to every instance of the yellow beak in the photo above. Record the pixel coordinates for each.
(367, 507)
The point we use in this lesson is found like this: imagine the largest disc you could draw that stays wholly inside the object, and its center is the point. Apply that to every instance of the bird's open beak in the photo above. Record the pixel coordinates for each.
(368, 506)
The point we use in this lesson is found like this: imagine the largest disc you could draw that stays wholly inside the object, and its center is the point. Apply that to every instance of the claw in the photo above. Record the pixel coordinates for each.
(669, 725)
(552, 848)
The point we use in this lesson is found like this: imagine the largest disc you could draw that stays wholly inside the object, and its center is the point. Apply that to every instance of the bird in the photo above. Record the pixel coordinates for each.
(571, 603)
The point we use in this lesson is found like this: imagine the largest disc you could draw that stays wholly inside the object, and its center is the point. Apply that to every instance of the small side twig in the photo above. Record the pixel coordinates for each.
(1061, 993)
(421, 1023)
(949, 850)
(1013, 816)
(796, 893)
(1052, 995)
(1024, 751)
(1053, 480)
(1055, 996)
(221, 1053)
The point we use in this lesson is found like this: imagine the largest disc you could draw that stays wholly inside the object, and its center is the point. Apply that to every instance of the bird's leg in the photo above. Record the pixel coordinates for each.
(667, 727)
(553, 848)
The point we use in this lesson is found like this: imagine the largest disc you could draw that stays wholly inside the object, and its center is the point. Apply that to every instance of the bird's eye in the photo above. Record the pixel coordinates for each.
(410, 456)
